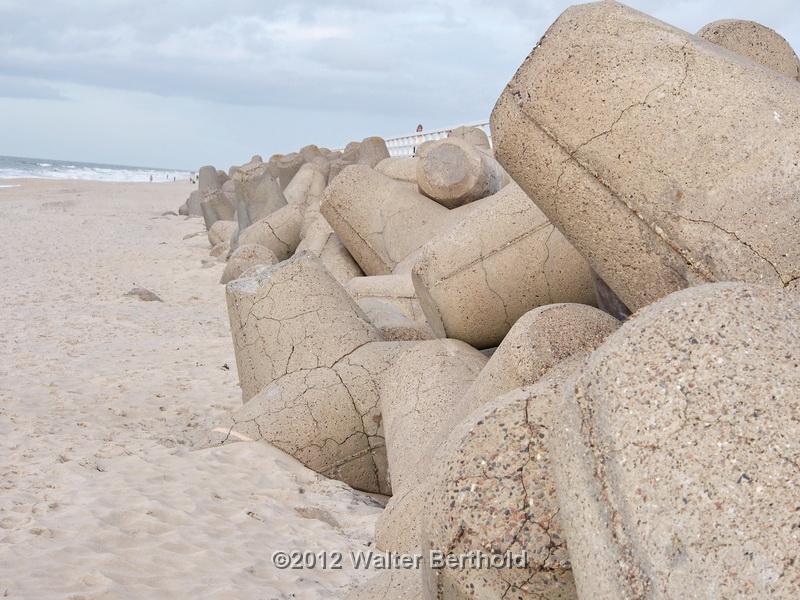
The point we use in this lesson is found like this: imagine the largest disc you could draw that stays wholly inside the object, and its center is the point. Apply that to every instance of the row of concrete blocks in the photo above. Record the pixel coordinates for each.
(658, 459)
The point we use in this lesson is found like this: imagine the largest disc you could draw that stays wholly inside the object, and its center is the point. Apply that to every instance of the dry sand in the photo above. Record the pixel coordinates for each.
(101, 495)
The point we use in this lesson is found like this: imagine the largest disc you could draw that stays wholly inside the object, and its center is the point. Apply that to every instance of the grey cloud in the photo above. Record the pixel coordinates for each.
(344, 68)
(375, 56)
(21, 87)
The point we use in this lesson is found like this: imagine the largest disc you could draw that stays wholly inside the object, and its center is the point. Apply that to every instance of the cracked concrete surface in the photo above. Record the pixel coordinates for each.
(676, 450)
(258, 194)
(715, 199)
(380, 220)
(308, 363)
(391, 304)
(321, 241)
(493, 492)
(501, 260)
(279, 231)
(290, 317)
(419, 393)
(246, 257)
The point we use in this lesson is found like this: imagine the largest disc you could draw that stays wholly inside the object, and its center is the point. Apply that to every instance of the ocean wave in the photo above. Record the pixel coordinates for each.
(18, 169)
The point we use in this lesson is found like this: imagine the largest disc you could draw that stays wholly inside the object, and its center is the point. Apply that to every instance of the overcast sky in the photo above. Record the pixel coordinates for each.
(183, 83)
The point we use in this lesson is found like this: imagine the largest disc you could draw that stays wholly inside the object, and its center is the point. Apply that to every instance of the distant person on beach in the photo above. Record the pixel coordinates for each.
(151, 178)
(419, 130)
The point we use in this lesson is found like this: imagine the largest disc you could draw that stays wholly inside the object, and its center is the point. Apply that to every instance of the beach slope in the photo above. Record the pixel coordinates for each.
(101, 495)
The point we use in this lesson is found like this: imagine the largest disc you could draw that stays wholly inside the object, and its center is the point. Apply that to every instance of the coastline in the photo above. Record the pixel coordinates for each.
(100, 395)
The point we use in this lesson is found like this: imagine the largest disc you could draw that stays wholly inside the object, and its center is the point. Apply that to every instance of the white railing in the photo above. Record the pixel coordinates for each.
(405, 145)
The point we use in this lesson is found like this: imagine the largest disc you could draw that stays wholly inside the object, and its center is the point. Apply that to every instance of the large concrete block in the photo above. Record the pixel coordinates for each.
(493, 493)
(539, 340)
(257, 194)
(397, 290)
(284, 168)
(244, 258)
(221, 231)
(379, 220)
(320, 240)
(279, 231)
(758, 43)
(500, 261)
(207, 179)
(676, 450)
(666, 161)
(401, 168)
(371, 151)
(215, 206)
(418, 394)
(308, 184)
(472, 135)
(453, 172)
(291, 318)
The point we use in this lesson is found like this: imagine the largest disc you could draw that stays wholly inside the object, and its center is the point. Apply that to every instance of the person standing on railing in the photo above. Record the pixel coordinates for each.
(419, 130)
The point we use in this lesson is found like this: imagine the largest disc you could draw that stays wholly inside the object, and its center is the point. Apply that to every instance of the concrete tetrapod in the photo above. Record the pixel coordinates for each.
(665, 160)
(401, 168)
(379, 220)
(291, 318)
(326, 417)
(371, 151)
(493, 493)
(245, 257)
(758, 43)
(676, 450)
(279, 231)
(418, 394)
(397, 290)
(321, 241)
(472, 135)
(392, 323)
(284, 168)
(391, 304)
(501, 260)
(221, 231)
(215, 206)
(453, 172)
(309, 364)
(207, 179)
(193, 208)
(309, 182)
(539, 341)
(257, 194)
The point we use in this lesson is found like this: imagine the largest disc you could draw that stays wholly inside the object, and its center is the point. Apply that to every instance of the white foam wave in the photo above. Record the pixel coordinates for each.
(92, 173)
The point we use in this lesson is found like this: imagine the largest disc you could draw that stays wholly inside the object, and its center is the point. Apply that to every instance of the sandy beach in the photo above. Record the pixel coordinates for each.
(100, 394)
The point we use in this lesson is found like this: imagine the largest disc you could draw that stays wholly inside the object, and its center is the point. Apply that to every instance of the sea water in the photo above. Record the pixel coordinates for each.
(13, 167)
